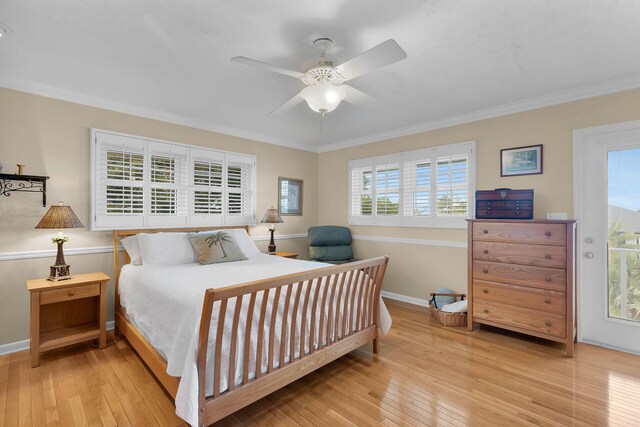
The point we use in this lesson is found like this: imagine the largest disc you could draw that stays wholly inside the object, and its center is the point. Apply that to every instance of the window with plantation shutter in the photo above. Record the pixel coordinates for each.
(167, 184)
(140, 183)
(119, 182)
(240, 189)
(432, 187)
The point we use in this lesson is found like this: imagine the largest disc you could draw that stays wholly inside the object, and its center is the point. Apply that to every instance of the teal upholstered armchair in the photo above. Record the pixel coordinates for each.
(330, 243)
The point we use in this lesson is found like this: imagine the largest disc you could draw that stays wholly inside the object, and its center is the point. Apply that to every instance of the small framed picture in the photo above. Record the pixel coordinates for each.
(521, 160)
(290, 196)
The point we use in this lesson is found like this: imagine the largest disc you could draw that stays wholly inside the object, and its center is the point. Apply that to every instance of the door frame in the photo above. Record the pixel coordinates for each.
(580, 137)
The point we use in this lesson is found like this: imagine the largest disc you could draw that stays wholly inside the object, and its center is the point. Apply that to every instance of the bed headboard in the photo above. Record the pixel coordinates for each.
(121, 234)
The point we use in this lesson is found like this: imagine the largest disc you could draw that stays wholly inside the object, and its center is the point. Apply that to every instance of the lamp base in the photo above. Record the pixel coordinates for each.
(59, 272)
(271, 249)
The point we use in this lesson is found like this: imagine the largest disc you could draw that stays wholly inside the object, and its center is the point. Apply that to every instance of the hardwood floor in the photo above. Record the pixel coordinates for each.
(425, 375)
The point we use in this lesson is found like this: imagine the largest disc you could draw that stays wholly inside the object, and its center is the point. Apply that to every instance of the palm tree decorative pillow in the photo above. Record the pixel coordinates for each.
(215, 247)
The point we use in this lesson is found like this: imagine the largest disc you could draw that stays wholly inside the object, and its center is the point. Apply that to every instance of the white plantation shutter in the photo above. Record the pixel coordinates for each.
(138, 183)
(240, 189)
(417, 190)
(119, 182)
(361, 195)
(207, 187)
(432, 187)
(387, 196)
(167, 184)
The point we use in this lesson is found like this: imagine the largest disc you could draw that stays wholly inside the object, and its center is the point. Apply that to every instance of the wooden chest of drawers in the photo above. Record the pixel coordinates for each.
(521, 277)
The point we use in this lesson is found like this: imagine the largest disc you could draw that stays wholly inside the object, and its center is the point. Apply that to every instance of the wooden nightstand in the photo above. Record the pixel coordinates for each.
(291, 255)
(67, 312)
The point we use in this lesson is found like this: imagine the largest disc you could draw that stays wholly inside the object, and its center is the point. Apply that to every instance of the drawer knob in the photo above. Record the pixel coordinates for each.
(547, 278)
(485, 270)
(486, 291)
(71, 293)
(547, 233)
(547, 301)
(485, 231)
(548, 323)
(547, 256)
(485, 251)
(486, 310)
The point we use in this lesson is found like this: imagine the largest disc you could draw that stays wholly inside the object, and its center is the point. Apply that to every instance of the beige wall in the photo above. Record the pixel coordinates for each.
(416, 270)
(52, 138)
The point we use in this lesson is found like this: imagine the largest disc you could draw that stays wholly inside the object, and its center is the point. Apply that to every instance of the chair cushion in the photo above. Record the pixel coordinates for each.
(329, 235)
(331, 253)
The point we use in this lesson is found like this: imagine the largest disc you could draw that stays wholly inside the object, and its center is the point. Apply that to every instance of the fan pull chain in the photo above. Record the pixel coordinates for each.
(321, 122)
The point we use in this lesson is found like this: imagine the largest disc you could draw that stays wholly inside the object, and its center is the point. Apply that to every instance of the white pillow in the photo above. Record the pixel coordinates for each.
(245, 242)
(166, 249)
(130, 245)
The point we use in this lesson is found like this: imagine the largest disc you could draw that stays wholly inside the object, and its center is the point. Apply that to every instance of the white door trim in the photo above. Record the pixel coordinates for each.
(579, 138)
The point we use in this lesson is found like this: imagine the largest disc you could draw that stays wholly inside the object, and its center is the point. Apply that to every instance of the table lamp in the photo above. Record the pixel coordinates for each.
(59, 217)
(272, 217)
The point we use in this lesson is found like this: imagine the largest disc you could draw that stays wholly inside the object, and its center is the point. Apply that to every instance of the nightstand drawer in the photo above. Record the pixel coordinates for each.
(69, 293)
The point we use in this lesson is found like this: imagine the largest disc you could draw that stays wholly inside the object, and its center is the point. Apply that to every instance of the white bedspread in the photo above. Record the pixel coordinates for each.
(165, 304)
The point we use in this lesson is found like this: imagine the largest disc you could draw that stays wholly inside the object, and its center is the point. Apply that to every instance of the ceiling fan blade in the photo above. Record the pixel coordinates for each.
(355, 96)
(270, 67)
(289, 104)
(384, 54)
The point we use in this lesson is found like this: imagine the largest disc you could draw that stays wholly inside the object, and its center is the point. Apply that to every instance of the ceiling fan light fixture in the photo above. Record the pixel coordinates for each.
(323, 97)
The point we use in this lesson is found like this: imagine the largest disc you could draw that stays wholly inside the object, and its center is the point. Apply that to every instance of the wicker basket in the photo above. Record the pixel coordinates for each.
(446, 318)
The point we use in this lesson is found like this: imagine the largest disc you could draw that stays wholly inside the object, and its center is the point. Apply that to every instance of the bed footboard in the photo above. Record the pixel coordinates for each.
(315, 317)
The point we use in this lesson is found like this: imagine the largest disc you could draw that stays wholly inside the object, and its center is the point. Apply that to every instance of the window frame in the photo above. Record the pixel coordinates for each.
(406, 159)
(185, 185)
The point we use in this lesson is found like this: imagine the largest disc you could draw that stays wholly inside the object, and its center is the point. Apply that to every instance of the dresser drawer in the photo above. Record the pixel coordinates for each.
(524, 318)
(537, 299)
(70, 293)
(523, 275)
(514, 253)
(514, 232)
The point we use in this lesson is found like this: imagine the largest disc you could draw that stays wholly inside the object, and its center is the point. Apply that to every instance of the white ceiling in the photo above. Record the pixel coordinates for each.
(170, 59)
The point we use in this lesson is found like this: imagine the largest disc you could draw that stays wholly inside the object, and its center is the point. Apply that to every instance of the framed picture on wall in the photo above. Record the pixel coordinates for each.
(521, 160)
(289, 196)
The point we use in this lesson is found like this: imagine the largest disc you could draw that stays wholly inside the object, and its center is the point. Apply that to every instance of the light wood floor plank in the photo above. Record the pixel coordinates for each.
(425, 375)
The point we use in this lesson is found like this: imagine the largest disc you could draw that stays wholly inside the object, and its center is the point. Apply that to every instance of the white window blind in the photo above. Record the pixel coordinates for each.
(208, 182)
(167, 184)
(141, 183)
(239, 189)
(119, 181)
(432, 187)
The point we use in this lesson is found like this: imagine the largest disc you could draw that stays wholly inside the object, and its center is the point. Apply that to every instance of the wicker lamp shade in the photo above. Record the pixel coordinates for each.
(271, 217)
(58, 217)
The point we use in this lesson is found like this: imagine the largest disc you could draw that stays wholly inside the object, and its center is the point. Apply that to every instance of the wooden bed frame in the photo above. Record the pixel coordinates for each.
(339, 339)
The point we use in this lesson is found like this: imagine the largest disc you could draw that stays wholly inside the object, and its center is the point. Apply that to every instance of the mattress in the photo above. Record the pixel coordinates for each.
(165, 303)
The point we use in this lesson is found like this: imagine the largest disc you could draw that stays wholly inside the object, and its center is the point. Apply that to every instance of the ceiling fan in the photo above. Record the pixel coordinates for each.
(325, 89)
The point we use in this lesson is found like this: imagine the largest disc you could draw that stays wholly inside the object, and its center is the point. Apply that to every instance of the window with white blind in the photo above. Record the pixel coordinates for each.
(138, 183)
(431, 187)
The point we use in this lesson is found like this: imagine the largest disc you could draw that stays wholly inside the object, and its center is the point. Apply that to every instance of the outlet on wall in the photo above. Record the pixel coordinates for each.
(556, 215)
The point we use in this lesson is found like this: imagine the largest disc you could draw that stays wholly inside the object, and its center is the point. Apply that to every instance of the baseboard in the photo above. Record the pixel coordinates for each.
(14, 347)
(611, 347)
(404, 298)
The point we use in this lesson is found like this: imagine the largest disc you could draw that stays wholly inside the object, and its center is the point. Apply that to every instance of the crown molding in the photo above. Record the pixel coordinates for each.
(576, 94)
(583, 92)
(15, 83)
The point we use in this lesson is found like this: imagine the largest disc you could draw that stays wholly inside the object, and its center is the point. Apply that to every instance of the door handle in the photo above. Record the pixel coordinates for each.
(588, 255)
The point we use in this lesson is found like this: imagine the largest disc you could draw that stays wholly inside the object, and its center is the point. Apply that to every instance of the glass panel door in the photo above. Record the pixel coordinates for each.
(623, 170)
